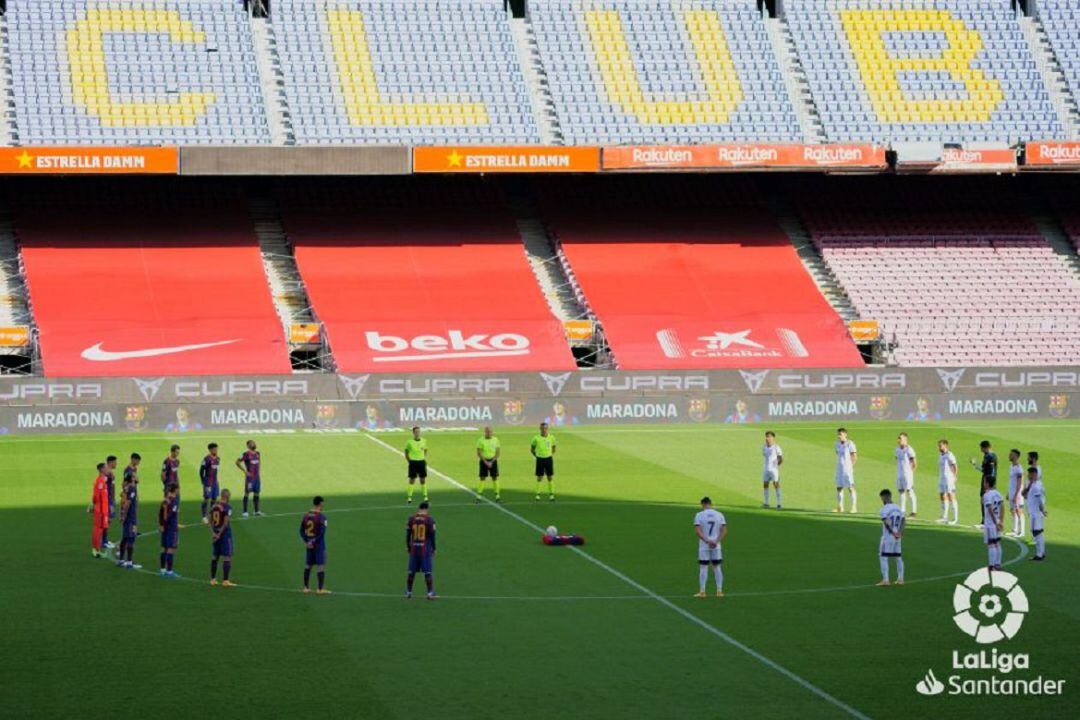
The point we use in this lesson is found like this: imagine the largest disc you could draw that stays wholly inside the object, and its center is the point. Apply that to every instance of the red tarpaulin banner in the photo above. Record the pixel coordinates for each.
(1052, 154)
(443, 292)
(743, 157)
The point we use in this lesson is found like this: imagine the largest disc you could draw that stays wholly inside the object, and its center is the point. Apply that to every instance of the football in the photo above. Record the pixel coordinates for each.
(552, 531)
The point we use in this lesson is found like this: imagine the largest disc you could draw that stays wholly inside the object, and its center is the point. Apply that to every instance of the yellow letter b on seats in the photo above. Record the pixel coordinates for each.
(880, 71)
(89, 69)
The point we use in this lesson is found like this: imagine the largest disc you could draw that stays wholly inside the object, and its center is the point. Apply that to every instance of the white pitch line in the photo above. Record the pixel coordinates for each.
(806, 684)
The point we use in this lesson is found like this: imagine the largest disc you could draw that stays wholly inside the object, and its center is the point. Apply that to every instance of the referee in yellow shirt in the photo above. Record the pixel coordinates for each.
(487, 452)
(416, 457)
(543, 449)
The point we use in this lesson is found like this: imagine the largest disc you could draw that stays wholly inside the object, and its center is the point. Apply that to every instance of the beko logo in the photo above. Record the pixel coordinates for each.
(456, 344)
(841, 381)
(37, 391)
(441, 386)
(1027, 379)
(232, 388)
(623, 383)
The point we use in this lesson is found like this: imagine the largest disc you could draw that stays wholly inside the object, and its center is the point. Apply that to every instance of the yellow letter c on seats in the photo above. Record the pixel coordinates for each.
(89, 69)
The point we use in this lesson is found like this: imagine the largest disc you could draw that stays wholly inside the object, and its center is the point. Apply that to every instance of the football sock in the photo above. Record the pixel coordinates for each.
(162, 558)
(944, 509)
(1040, 545)
(840, 498)
(409, 581)
(956, 510)
(900, 569)
(1020, 522)
(130, 551)
(409, 492)
(854, 500)
(105, 536)
(551, 487)
(430, 581)
(204, 508)
(168, 561)
(480, 489)
(495, 484)
(538, 481)
(903, 502)
(225, 568)
(424, 488)
(245, 502)
(703, 577)
(213, 569)
(718, 573)
(322, 578)
(307, 576)
(778, 497)
(885, 568)
(766, 495)
(914, 502)
(256, 503)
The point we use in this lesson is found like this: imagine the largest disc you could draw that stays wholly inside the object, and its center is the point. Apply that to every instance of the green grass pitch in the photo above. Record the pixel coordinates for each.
(524, 630)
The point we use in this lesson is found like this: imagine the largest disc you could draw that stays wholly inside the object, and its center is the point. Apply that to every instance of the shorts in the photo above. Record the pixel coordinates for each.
(845, 479)
(991, 534)
(904, 483)
(1037, 522)
(418, 469)
(1019, 505)
(315, 556)
(420, 562)
(223, 547)
(252, 486)
(889, 547)
(770, 476)
(946, 486)
(128, 535)
(210, 492)
(707, 554)
(545, 466)
(492, 472)
(170, 539)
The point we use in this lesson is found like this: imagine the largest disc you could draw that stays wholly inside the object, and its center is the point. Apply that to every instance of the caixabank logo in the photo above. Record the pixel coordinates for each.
(990, 608)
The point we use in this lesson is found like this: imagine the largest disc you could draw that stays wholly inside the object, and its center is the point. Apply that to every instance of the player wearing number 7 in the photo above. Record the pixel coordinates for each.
(711, 529)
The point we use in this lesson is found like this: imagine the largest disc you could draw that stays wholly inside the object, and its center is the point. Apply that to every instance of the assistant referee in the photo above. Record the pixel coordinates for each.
(543, 449)
(487, 452)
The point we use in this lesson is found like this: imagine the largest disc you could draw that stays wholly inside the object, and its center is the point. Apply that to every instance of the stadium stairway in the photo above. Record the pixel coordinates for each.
(795, 79)
(272, 80)
(532, 68)
(1052, 74)
(286, 285)
(14, 299)
(1054, 232)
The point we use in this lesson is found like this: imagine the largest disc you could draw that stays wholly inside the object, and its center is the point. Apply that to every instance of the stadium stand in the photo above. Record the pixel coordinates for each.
(147, 72)
(390, 71)
(708, 281)
(921, 70)
(1060, 19)
(955, 278)
(643, 71)
(123, 280)
(440, 277)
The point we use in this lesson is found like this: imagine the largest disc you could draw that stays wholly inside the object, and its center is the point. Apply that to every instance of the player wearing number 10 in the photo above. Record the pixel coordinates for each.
(420, 544)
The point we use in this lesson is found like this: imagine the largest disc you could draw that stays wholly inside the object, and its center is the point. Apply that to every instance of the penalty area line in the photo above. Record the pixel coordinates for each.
(686, 614)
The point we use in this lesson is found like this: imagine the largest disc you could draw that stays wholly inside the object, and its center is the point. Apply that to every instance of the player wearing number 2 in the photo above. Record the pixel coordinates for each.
(711, 529)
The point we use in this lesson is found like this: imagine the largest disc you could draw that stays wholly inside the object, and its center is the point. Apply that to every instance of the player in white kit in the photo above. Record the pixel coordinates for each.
(906, 464)
(1033, 461)
(947, 483)
(1036, 505)
(892, 530)
(711, 529)
(993, 521)
(846, 456)
(770, 472)
(1016, 493)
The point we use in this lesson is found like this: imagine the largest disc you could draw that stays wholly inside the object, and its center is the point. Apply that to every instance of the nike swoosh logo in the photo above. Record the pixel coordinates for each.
(97, 354)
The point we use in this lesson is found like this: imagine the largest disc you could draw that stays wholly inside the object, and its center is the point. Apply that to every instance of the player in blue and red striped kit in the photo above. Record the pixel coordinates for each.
(170, 471)
(313, 533)
(169, 528)
(208, 476)
(129, 506)
(221, 537)
(420, 544)
(251, 465)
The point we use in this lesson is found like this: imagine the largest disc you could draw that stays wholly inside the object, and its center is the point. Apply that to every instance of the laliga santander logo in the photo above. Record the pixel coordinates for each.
(455, 344)
(989, 606)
